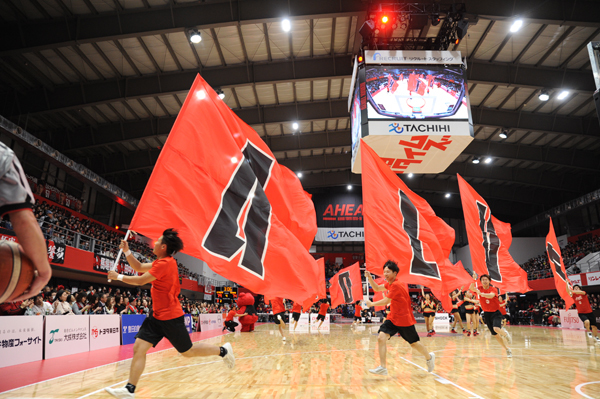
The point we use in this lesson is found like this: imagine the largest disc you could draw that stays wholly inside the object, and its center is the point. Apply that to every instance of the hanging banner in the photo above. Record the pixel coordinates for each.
(66, 335)
(338, 210)
(21, 339)
(131, 324)
(56, 251)
(105, 331)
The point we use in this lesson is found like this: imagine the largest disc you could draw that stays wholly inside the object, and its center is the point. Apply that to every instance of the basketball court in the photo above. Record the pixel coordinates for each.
(332, 365)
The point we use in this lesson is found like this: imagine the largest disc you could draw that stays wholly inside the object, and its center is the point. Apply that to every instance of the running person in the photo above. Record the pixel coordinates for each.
(400, 318)
(167, 317)
(278, 313)
(357, 314)
(322, 312)
(503, 302)
(296, 312)
(582, 303)
(455, 295)
(428, 307)
(470, 313)
(491, 306)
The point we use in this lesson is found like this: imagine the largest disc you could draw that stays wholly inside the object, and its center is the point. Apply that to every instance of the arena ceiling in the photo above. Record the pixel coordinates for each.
(103, 80)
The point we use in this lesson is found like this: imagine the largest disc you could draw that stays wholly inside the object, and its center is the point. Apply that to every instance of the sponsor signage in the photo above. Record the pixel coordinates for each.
(325, 327)
(130, 325)
(575, 279)
(302, 323)
(66, 335)
(56, 251)
(20, 339)
(442, 319)
(105, 331)
(187, 318)
(412, 57)
(570, 319)
(340, 234)
(338, 210)
(211, 321)
(593, 278)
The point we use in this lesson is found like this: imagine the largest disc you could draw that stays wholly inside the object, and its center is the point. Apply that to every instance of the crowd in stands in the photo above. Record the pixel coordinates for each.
(538, 267)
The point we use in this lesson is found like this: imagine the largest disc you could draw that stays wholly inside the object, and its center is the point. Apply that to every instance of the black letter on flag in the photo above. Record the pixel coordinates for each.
(418, 264)
(346, 285)
(491, 242)
(246, 185)
(555, 260)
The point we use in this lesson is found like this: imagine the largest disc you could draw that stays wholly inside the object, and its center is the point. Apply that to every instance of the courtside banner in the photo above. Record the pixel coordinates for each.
(570, 319)
(302, 323)
(66, 335)
(21, 338)
(441, 319)
(334, 234)
(326, 327)
(210, 322)
(187, 318)
(131, 324)
(105, 331)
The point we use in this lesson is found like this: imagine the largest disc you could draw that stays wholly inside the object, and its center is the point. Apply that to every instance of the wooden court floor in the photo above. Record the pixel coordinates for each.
(546, 363)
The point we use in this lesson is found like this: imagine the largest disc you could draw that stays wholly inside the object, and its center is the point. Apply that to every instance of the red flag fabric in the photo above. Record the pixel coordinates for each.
(322, 292)
(558, 267)
(378, 296)
(346, 286)
(489, 241)
(401, 226)
(453, 279)
(217, 182)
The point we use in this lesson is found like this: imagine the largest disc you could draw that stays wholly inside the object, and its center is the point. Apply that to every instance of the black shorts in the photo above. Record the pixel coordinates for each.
(296, 316)
(455, 311)
(321, 317)
(428, 314)
(357, 318)
(276, 320)
(506, 317)
(409, 334)
(493, 319)
(590, 317)
(469, 311)
(231, 324)
(154, 330)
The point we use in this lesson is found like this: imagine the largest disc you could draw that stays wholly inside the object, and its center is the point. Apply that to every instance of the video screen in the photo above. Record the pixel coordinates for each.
(428, 92)
(355, 121)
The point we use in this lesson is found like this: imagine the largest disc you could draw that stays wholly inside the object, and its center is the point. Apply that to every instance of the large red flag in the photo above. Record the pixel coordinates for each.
(489, 241)
(401, 226)
(346, 286)
(218, 183)
(322, 291)
(558, 267)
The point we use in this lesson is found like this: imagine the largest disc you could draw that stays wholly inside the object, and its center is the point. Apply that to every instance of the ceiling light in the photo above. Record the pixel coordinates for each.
(488, 160)
(299, 174)
(233, 160)
(475, 160)
(544, 96)
(516, 25)
(447, 195)
(200, 94)
(563, 94)
(195, 37)
(295, 126)
(220, 94)
(503, 134)
(410, 175)
(349, 187)
(286, 25)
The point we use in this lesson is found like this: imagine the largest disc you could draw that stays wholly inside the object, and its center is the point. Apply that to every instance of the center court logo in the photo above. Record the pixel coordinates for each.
(332, 234)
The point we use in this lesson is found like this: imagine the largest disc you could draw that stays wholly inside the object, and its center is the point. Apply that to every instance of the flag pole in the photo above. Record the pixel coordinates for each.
(114, 266)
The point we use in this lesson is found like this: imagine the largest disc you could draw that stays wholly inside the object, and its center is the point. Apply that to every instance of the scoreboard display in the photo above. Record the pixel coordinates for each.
(226, 295)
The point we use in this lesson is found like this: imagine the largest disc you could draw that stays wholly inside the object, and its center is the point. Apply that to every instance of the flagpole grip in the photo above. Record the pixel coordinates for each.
(114, 266)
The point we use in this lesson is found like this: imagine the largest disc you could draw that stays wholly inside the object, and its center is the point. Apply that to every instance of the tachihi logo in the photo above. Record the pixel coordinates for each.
(396, 128)
(332, 234)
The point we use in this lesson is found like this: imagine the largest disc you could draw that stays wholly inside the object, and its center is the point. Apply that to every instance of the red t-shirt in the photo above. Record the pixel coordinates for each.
(582, 303)
(323, 309)
(400, 314)
(297, 308)
(357, 310)
(489, 304)
(230, 315)
(502, 309)
(278, 306)
(165, 289)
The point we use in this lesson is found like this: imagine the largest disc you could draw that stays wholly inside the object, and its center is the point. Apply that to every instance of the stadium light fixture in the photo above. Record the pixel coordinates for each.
(195, 36)
(200, 94)
(488, 160)
(544, 96)
(295, 126)
(220, 94)
(299, 174)
(385, 19)
(503, 134)
(349, 187)
(516, 25)
(447, 195)
(286, 25)
(410, 175)
(563, 94)
(475, 160)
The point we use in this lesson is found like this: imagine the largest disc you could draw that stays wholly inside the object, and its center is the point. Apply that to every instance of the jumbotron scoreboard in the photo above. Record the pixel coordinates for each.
(226, 294)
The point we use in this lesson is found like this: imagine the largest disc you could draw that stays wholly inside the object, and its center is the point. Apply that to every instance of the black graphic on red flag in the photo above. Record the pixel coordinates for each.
(491, 242)
(346, 286)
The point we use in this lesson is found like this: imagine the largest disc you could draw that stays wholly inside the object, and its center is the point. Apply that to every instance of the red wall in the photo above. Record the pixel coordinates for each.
(576, 238)
(349, 258)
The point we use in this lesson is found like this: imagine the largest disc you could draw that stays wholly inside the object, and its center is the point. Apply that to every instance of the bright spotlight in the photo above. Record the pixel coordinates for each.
(475, 160)
(488, 160)
(295, 126)
(410, 175)
(516, 25)
(195, 37)
(200, 94)
(544, 96)
(286, 25)
(234, 160)
(503, 135)
(447, 195)
(299, 174)
(349, 187)
(563, 94)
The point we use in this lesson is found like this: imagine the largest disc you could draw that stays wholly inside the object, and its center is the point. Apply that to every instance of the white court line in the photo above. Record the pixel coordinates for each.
(578, 388)
(107, 364)
(444, 380)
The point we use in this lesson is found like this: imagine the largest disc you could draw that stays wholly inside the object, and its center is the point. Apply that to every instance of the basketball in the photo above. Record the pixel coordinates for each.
(16, 270)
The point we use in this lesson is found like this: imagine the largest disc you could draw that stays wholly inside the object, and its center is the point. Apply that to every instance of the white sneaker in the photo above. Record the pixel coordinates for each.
(121, 393)
(229, 359)
(508, 338)
(509, 353)
(284, 338)
(379, 370)
(589, 334)
(431, 362)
